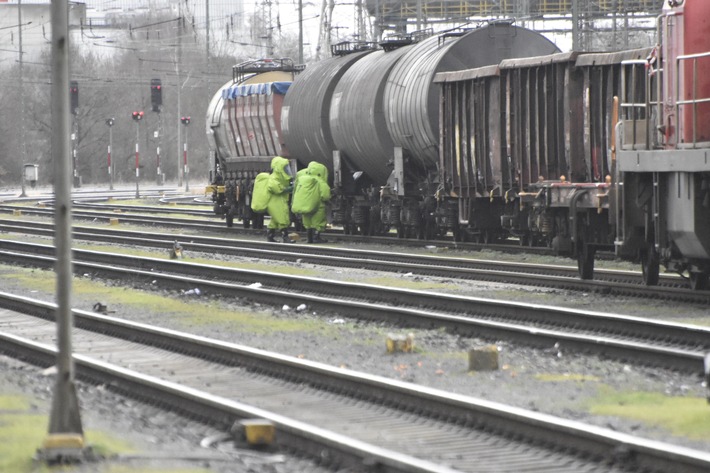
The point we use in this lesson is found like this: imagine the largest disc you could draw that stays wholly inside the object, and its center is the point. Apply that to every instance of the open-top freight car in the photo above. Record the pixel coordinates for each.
(535, 148)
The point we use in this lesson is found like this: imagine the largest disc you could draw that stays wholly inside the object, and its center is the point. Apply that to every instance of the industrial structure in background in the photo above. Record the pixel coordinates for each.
(581, 18)
(228, 24)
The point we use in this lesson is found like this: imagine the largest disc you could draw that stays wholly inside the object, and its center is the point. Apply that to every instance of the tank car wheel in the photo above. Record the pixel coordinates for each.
(524, 239)
(650, 266)
(699, 281)
(585, 261)
(401, 231)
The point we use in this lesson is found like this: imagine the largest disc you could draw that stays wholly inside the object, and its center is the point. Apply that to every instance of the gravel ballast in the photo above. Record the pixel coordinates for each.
(545, 380)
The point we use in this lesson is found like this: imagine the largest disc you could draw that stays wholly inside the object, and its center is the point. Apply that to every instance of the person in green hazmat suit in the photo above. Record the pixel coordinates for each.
(310, 195)
(278, 186)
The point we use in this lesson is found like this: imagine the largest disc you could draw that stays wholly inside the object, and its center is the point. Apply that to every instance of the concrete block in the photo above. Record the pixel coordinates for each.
(256, 432)
(113, 221)
(483, 358)
(400, 343)
(17, 212)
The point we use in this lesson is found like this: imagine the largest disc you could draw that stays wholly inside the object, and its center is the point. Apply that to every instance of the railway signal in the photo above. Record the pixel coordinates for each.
(185, 121)
(156, 94)
(74, 94)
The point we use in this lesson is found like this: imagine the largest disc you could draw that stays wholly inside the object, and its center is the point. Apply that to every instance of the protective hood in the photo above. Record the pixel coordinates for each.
(318, 170)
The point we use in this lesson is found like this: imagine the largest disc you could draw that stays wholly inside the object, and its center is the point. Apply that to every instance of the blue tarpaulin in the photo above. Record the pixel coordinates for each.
(266, 88)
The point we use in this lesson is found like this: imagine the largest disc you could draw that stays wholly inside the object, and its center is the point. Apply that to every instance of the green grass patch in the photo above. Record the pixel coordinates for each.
(186, 311)
(22, 432)
(683, 416)
(556, 377)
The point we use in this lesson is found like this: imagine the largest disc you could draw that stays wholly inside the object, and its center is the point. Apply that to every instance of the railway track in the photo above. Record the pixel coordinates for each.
(676, 346)
(611, 282)
(345, 418)
(214, 224)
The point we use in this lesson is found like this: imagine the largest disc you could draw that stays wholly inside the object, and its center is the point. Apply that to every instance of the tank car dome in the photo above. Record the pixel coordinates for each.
(306, 111)
(411, 97)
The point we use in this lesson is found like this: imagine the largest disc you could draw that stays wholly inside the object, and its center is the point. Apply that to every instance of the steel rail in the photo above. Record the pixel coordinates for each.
(611, 282)
(212, 224)
(676, 346)
(505, 421)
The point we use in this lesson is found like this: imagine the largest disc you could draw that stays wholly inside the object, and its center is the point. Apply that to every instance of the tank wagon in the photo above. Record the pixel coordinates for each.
(584, 152)
(244, 130)
(369, 114)
(373, 119)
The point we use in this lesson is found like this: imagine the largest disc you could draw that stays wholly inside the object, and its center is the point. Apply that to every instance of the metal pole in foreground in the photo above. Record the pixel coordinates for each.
(65, 441)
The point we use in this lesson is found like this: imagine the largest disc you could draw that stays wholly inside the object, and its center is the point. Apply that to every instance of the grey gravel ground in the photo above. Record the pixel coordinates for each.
(545, 380)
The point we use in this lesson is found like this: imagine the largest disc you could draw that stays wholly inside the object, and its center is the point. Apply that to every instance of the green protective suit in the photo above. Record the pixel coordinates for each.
(311, 195)
(260, 195)
(279, 190)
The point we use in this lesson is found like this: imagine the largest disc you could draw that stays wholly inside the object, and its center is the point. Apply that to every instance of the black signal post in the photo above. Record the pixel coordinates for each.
(137, 117)
(186, 170)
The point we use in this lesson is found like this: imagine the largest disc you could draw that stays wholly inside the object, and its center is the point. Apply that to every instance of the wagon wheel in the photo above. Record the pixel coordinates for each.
(585, 260)
(699, 281)
(524, 239)
(401, 231)
(650, 266)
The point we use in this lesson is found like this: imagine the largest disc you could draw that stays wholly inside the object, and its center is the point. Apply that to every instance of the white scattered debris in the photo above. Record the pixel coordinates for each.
(256, 285)
(430, 247)
(285, 307)
(154, 281)
(299, 261)
(51, 371)
(301, 308)
(409, 275)
(193, 292)
(336, 321)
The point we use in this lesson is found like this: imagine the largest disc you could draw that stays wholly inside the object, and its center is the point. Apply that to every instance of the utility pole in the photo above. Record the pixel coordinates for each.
(575, 25)
(65, 441)
(178, 88)
(23, 148)
(300, 31)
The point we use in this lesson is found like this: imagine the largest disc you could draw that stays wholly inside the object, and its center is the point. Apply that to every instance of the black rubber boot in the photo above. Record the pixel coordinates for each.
(270, 235)
(310, 235)
(286, 238)
(319, 239)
